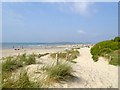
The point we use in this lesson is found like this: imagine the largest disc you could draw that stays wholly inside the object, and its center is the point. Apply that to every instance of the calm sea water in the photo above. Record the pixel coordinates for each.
(28, 45)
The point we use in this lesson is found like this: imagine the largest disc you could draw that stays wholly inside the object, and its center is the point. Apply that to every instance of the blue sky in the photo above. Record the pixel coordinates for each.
(59, 22)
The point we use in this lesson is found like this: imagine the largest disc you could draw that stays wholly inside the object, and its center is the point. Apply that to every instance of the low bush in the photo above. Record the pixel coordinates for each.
(95, 58)
(104, 51)
(115, 58)
(104, 48)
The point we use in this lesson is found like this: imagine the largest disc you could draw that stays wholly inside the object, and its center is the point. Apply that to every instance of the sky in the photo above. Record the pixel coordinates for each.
(59, 21)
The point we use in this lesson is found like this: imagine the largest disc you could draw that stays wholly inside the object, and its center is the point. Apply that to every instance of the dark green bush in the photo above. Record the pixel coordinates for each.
(104, 51)
(115, 58)
(117, 39)
(105, 47)
(95, 58)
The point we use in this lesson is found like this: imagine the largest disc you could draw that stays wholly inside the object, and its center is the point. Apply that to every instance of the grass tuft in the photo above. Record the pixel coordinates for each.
(60, 72)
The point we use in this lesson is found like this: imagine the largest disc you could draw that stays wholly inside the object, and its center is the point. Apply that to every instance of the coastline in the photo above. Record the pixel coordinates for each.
(39, 49)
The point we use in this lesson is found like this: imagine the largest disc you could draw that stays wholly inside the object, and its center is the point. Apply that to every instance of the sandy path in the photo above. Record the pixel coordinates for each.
(92, 74)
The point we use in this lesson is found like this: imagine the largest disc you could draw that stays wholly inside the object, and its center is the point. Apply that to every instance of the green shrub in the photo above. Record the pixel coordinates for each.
(117, 39)
(105, 44)
(115, 62)
(115, 58)
(105, 47)
(59, 72)
(104, 51)
(95, 58)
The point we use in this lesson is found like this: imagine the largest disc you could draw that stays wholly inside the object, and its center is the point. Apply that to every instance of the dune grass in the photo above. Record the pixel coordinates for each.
(59, 72)
(12, 63)
(55, 73)
(22, 82)
(68, 55)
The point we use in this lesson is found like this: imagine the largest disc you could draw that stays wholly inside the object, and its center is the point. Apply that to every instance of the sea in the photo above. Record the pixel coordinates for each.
(11, 45)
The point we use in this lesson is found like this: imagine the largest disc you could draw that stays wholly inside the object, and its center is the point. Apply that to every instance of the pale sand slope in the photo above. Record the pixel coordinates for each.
(92, 74)
(89, 74)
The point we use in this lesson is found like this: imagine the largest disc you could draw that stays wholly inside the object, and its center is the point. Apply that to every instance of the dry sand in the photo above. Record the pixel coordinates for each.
(92, 74)
(89, 74)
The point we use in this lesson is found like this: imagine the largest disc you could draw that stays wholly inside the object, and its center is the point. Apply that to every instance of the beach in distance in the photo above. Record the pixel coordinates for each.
(59, 44)
(16, 48)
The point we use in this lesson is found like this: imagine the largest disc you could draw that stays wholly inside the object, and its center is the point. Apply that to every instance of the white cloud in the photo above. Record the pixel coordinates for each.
(81, 31)
(83, 8)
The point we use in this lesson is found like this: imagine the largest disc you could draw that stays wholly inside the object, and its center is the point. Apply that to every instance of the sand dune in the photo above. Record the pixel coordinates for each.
(89, 74)
(94, 74)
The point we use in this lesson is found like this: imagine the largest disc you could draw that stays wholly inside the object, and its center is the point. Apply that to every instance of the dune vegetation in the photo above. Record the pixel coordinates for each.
(15, 64)
(59, 72)
(22, 81)
(12, 63)
(109, 49)
(68, 55)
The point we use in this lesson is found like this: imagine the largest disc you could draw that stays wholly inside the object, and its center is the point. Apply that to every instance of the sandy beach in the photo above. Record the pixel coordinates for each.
(89, 74)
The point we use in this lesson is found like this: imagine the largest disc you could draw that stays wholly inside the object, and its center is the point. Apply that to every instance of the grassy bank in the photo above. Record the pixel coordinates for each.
(12, 66)
(109, 49)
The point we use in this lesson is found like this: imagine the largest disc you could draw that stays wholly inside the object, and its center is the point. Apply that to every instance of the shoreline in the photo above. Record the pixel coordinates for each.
(35, 45)
(41, 49)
